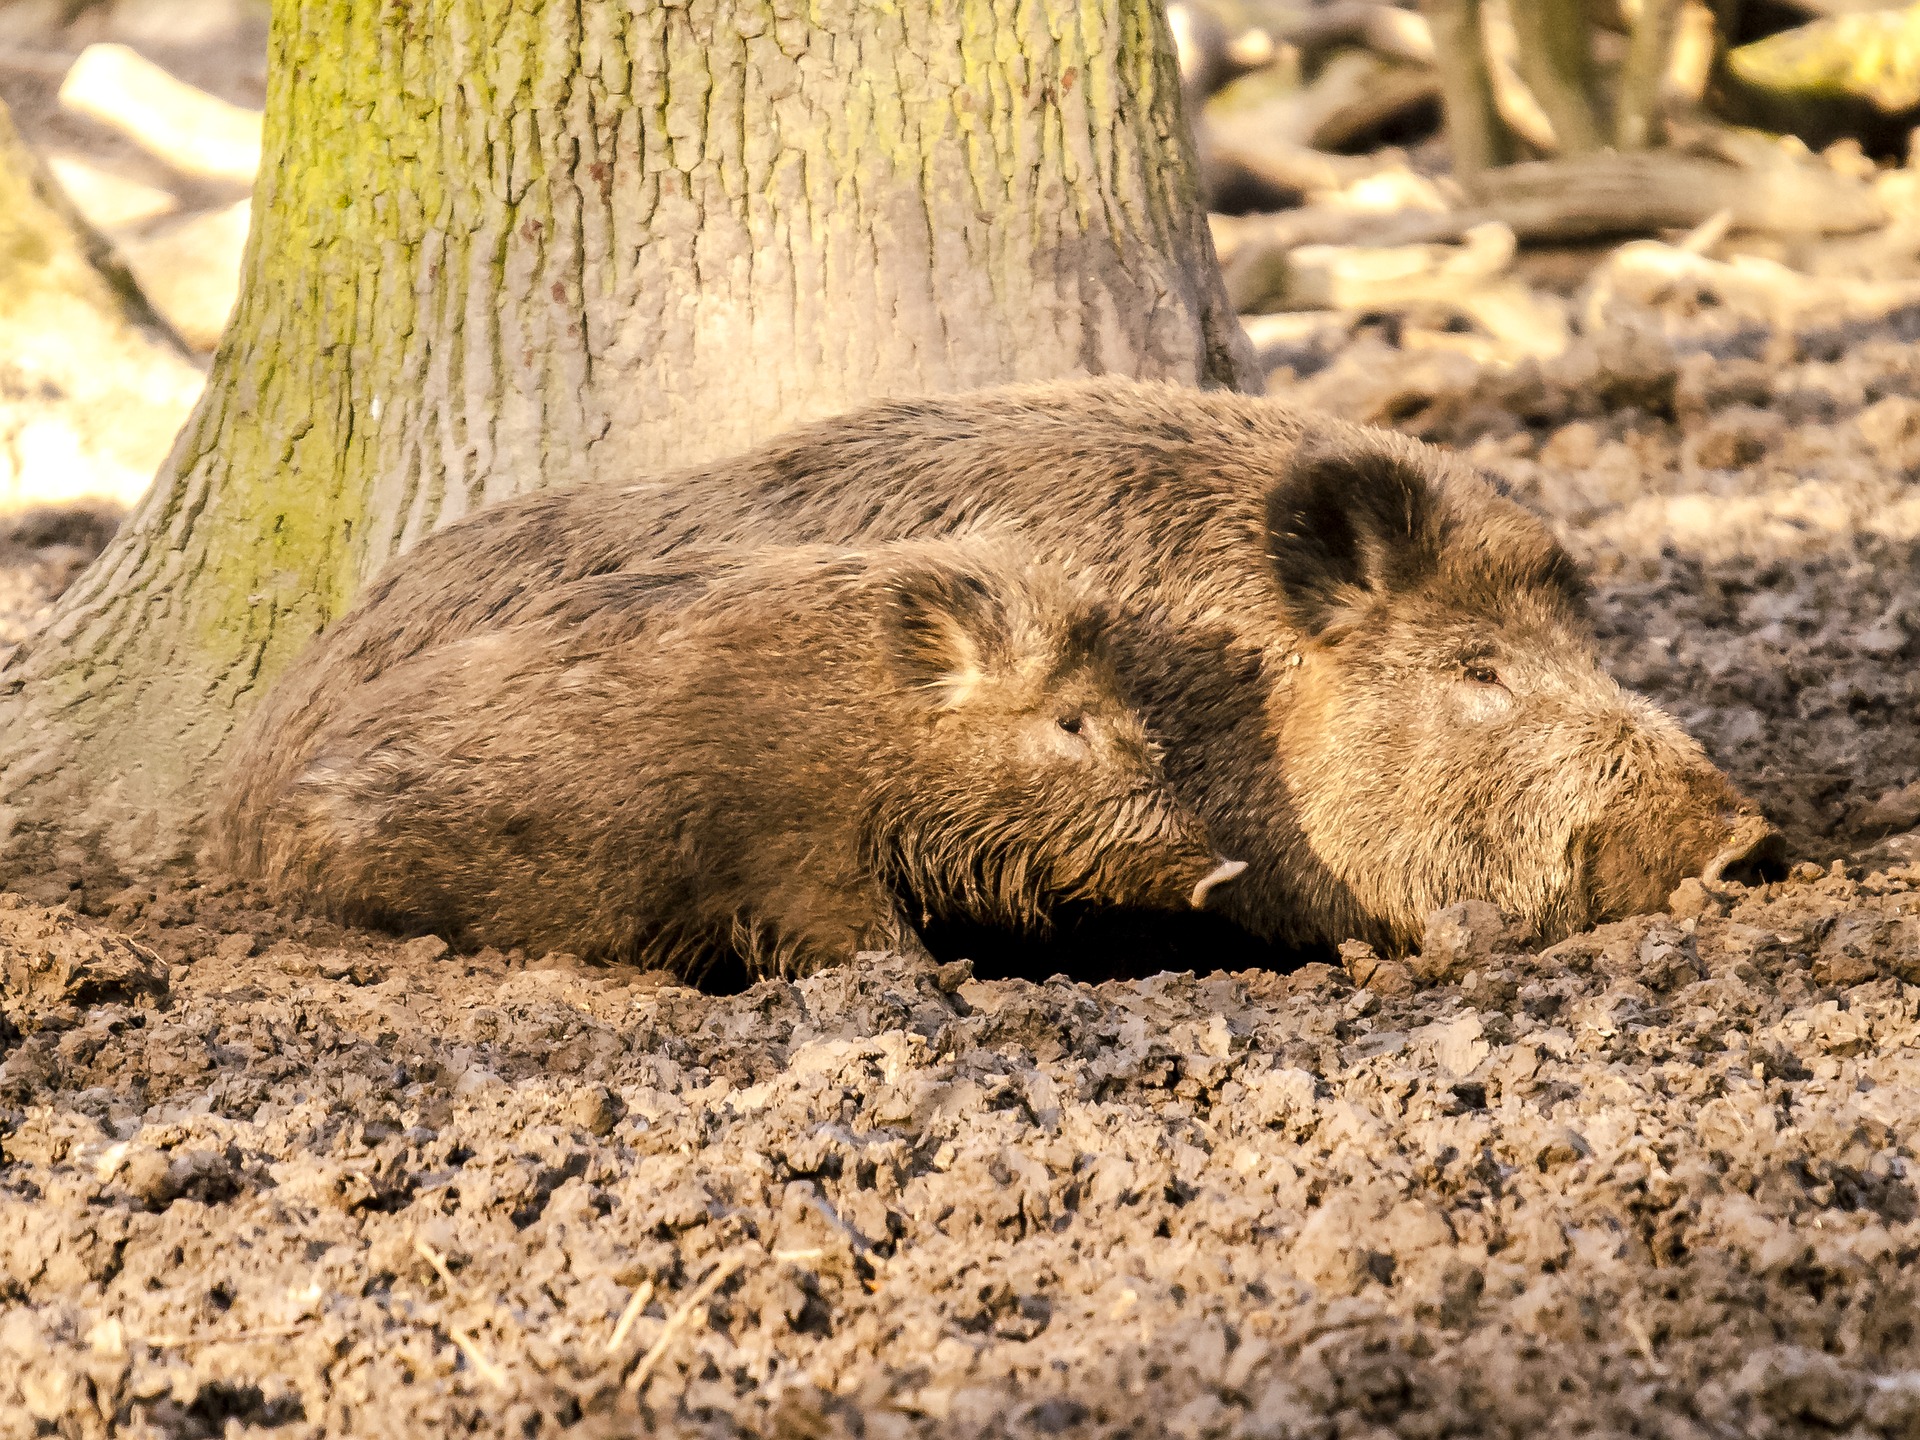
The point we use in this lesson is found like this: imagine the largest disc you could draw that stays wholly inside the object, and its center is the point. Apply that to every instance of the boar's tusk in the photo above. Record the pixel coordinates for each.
(1219, 875)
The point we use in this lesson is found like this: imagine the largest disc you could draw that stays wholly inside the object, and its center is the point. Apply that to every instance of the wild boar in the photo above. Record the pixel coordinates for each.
(787, 756)
(1371, 668)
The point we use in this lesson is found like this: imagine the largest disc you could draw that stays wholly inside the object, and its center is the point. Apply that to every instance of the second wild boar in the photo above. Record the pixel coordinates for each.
(788, 756)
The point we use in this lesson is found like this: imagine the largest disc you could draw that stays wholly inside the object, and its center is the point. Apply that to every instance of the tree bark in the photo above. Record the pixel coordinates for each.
(499, 246)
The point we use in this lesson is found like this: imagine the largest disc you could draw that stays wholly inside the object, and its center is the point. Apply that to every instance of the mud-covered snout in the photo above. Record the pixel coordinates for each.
(1197, 881)
(1700, 828)
(1197, 875)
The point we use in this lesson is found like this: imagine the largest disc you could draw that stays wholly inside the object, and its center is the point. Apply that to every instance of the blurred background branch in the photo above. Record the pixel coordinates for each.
(1777, 129)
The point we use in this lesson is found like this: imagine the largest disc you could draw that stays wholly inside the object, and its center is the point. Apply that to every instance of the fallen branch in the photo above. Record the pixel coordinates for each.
(1522, 321)
(1387, 30)
(98, 367)
(1595, 196)
(1649, 273)
(1466, 281)
(1242, 143)
(1551, 202)
(1350, 277)
(194, 132)
(1356, 94)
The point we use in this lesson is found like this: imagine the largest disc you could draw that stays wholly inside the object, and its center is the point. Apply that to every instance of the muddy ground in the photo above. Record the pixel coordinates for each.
(260, 1173)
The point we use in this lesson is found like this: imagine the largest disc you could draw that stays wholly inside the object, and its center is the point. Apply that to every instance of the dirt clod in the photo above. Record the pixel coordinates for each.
(1388, 977)
(1460, 938)
(47, 960)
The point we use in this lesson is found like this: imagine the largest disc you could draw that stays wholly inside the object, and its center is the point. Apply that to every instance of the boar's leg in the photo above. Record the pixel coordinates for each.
(816, 930)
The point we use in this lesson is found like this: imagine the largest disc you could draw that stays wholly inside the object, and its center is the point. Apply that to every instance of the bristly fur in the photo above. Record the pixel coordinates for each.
(788, 755)
(1301, 603)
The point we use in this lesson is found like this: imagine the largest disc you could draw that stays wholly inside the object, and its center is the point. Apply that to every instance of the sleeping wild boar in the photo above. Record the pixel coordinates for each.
(790, 756)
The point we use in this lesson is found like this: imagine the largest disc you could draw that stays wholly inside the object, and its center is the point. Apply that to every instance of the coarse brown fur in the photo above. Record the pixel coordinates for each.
(788, 755)
(1370, 668)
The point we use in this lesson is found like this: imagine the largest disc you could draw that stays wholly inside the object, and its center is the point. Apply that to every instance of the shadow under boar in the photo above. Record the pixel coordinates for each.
(788, 756)
(1372, 670)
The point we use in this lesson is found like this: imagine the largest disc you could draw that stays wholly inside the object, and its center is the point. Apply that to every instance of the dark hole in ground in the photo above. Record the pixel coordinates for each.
(1757, 19)
(1235, 190)
(1115, 945)
(1764, 863)
(84, 526)
(1090, 945)
(219, 1403)
(724, 975)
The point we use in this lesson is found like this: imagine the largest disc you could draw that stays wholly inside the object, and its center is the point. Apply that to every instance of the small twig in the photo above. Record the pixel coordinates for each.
(1707, 234)
(469, 1347)
(1642, 1341)
(677, 1321)
(180, 1342)
(438, 1261)
(632, 1313)
(485, 1368)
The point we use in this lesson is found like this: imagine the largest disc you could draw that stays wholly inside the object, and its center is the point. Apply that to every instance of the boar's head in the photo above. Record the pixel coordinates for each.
(1022, 776)
(1447, 732)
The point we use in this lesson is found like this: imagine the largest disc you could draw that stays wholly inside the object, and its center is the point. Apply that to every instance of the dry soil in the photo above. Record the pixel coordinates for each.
(260, 1173)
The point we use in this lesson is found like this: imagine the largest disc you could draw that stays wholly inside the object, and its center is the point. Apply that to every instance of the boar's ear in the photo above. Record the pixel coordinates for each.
(1346, 525)
(943, 627)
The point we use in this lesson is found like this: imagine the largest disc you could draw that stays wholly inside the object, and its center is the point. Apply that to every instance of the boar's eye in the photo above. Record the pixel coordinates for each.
(1480, 672)
(1069, 734)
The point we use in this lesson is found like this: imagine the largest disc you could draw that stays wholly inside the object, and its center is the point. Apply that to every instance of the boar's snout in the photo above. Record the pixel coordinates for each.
(1187, 870)
(1635, 868)
(1752, 855)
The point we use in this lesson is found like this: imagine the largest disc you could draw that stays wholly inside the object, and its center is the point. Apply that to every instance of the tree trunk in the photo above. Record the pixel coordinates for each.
(1637, 121)
(1556, 61)
(1477, 136)
(500, 246)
